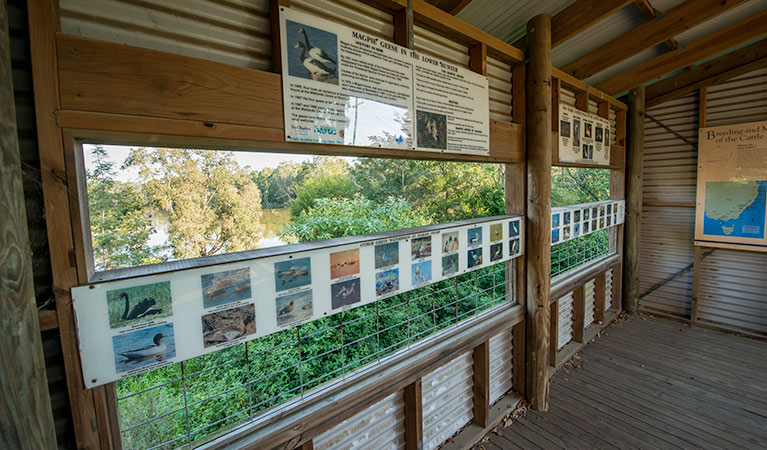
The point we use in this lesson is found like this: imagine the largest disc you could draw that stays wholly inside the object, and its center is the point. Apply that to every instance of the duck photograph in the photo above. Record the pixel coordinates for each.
(294, 308)
(292, 274)
(225, 287)
(143, 347)
(312, 53)
(343, 264)
(345, 293)
(139, 304)
(227, 325)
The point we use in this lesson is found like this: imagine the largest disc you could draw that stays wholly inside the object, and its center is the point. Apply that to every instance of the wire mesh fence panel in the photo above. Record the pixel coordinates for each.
(195, 401)
(571, 254)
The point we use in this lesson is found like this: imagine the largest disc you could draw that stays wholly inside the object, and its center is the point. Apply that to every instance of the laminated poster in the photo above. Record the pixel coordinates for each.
(731, 206)
(133, 325)
(583, 137)
(346, 87)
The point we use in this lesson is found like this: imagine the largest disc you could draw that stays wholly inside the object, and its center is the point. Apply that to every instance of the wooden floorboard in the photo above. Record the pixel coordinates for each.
(652, 383)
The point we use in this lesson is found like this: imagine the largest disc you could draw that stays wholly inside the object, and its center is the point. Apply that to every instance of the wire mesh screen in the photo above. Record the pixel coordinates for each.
(190, 403)
(576, 252)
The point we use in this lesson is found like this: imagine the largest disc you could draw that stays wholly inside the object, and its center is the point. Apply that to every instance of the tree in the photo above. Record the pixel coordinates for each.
(120, 221)
(278, 185)
(326, 178)
(571, 186)
(330, 218)
(212, 204)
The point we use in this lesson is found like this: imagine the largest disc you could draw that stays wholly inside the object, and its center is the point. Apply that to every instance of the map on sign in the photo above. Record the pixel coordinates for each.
(735, 208)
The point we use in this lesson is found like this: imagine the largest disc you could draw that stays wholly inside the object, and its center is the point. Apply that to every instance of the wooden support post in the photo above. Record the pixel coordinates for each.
(579, 313)
(26, 420)
(44, 22)
(403, 26)
(634, 156)
(599, 298)
(538, 230)
(553, 332)
(481, 387)
(478, 58)
(414, 416)
(698, 251)
(617, 287)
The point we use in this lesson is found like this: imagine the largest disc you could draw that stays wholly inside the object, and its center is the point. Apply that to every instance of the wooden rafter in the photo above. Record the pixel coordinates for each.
(650, 13)
(647, 35)
(732, 64)
(748, 29)
(451, 6)
(580, 15)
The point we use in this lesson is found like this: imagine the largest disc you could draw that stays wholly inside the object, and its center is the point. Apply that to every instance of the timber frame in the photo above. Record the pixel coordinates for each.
(90, 90)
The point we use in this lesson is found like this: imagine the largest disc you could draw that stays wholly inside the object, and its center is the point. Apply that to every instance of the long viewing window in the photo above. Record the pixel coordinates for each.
(149, 205)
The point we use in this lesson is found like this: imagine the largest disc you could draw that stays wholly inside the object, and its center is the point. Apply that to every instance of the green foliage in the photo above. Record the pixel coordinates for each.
(575, 252)
(329, 218)
(120, 223)
(571, 186)
(325, 178)
(212, 205)
(278, 185)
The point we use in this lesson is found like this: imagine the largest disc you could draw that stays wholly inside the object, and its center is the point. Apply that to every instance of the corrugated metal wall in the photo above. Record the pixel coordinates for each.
(236, 32)
(501, 365)
(382, 426)
(733, 284)
(33, 199)
(447, 400)
(565, 320)
(670, 174)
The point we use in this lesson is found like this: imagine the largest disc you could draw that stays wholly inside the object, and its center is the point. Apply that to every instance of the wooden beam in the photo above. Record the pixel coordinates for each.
(738, 33)
(478, 58)
(579, 86)
(730, 65)
(518, 356)
(579, 313)
(617, 293)
(403, 27)
(648, 11)
(44, 20)
(600, 287)
(26, 419)
(481, 386)
(451, 6)
(538, 230)
(48, 320)
(647, 35)
(580, 15)
(634, 159)
(414, 416)
(443, 23)
(553, 332)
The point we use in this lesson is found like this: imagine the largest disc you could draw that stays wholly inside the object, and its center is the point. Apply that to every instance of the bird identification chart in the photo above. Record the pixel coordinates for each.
(573, 221)
(342, 86)
(133, 325)
(731, 202)
(583, 137)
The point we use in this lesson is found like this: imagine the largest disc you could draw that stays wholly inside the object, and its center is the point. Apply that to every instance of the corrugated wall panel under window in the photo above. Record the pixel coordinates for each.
(447, 400)
(588, 294)
(501, 365)
(609, 289)
(565, 320)
(670, 175)
(382, 426)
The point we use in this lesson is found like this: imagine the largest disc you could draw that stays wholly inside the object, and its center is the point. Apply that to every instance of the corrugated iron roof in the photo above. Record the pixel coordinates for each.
(506, 20)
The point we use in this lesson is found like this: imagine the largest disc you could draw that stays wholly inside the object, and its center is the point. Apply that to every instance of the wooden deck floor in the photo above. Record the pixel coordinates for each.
(653, 383)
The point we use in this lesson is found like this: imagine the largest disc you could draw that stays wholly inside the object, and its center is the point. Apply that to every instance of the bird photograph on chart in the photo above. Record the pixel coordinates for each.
(225, 287)
(294, 308)
(292, 273)
(312, 53)
(227, 325)
(139, 304)
(143, 347)
(345, 293)
(431, 130)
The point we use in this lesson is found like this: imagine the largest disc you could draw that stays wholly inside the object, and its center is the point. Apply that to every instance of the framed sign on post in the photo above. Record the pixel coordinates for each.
(342, 86)
(583, 137)
(732, 187)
